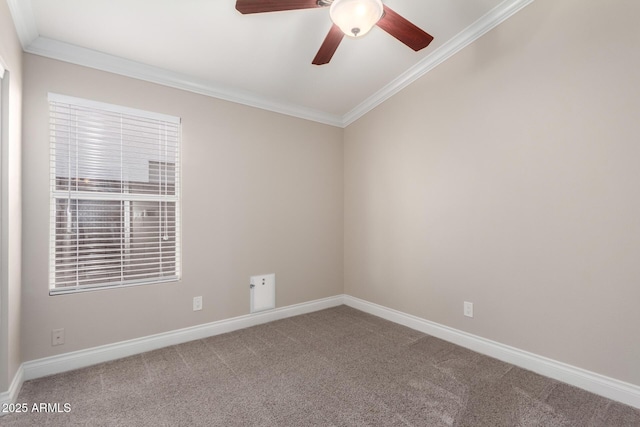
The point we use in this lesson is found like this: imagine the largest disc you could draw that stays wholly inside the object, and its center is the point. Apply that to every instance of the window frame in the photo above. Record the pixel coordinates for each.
(125, 198)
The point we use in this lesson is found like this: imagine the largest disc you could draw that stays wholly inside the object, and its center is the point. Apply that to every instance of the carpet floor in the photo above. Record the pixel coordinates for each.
(335, 367)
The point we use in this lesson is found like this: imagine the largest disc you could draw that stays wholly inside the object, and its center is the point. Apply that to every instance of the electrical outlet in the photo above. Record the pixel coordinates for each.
(468, 309)
(197, 303)
(57, 336)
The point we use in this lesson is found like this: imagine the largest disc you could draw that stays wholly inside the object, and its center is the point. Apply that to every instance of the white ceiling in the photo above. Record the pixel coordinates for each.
(263, 60)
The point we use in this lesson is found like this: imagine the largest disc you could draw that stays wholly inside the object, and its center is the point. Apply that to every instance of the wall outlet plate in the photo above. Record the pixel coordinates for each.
(468, 309)
(197, 303)
(57, 336)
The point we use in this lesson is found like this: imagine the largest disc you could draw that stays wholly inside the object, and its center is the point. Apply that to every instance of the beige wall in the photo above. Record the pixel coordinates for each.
(262, 193)
(10, 201)
(508, 177)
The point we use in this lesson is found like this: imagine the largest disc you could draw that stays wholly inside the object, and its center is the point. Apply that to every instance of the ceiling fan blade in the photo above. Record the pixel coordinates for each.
(329, 46)
(404, 30)
(259, 6)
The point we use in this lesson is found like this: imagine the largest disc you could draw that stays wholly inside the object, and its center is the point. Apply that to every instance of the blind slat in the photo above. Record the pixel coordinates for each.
(115, 190)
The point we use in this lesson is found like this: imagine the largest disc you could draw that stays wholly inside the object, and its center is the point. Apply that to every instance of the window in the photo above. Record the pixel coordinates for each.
(115, 196)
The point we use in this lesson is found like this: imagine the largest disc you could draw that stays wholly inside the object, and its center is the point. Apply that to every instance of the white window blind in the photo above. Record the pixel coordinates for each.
(115, 196)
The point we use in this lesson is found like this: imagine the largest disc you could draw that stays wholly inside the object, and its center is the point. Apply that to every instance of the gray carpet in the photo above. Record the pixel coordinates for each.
(336, 367)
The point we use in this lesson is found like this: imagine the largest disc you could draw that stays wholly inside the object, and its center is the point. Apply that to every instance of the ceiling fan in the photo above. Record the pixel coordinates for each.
(353, 18)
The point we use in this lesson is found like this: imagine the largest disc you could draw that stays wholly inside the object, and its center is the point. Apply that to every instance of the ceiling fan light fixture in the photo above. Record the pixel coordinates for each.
(356, 17)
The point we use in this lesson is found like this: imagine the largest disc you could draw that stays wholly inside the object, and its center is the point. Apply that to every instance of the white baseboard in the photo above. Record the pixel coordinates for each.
(599, 384)
(611, 388)
(82, 358)
(11, 395)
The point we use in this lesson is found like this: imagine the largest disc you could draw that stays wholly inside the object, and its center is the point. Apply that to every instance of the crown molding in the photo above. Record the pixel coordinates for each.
(66, 52)
(32, 43)
(470, 34)
(24, 21)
